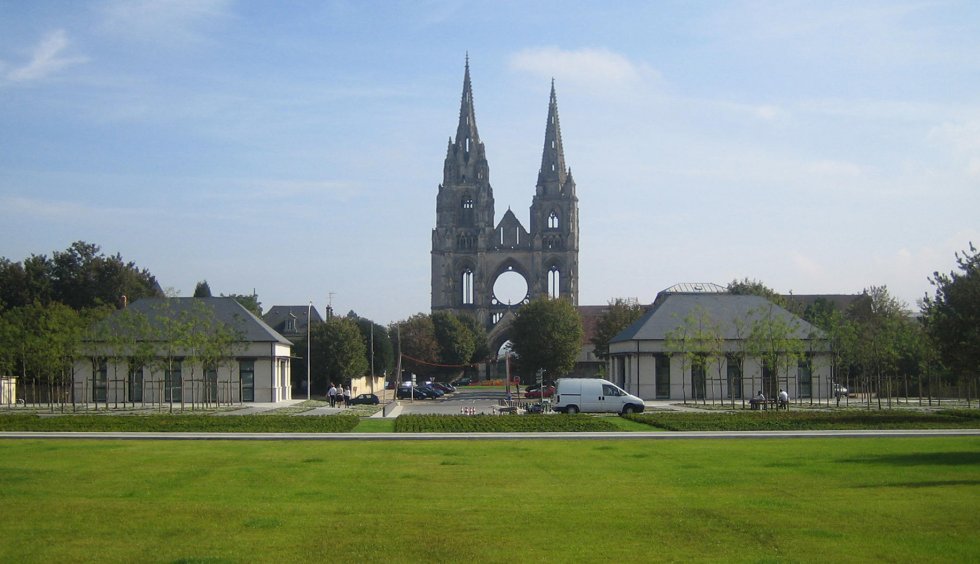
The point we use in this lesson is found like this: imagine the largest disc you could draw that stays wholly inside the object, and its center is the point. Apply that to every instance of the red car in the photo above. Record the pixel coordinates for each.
(548, 392)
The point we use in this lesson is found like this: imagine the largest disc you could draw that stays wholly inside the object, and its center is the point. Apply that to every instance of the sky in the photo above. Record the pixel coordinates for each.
(295, 149)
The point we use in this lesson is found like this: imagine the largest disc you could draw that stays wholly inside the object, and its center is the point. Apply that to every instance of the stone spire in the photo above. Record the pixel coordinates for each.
(467, 136)
(553, 173)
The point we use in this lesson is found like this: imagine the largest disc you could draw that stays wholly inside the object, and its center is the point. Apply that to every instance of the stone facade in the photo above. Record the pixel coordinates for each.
(469, 252)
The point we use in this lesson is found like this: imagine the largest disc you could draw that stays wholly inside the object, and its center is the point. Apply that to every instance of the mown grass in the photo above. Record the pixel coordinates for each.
(813, 500)
(810, 420)
(180, 423)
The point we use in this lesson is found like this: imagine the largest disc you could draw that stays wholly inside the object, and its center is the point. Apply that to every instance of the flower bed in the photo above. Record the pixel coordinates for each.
(500, 424)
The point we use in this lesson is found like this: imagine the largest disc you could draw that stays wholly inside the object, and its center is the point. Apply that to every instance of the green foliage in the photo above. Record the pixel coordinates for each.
(202, 290)
(40, 341)
(952, 316)
(621, 313)
(809, 420)
(250, 302)
(750, 287)
(501, 424)
(416, 337)
(547, 334)
(338, 352)
(384, 350)
(164, 423)
(80, 277)
(481, 344)
(456, 343)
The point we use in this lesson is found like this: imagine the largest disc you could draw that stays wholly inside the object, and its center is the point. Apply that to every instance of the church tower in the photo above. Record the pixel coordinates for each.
(469, 253)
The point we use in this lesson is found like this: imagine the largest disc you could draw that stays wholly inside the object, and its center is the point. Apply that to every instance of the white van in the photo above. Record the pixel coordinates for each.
(594, 395)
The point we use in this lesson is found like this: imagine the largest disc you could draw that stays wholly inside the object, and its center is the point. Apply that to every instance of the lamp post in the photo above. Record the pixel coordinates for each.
(309, 329)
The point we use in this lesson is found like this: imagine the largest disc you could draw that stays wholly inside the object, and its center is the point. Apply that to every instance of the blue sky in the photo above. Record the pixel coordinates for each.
(295, 148)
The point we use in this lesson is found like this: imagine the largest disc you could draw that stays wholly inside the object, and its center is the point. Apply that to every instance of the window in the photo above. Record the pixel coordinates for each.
(100, 380)
(554, 282)
(734, 378)
(135, 383)
(698, 377)
(497, 317)
(467, 205)
(553, 220)
(211, 385)
(173, 382)
(246, 375)
(467, 285)
(805, 377)
(611, 391)
(662, 376)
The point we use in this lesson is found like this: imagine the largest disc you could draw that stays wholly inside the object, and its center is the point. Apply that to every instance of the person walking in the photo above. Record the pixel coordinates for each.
(346, 396)
(332, 395)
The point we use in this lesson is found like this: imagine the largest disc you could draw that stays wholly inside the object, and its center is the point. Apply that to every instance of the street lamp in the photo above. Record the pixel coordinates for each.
(309, 327)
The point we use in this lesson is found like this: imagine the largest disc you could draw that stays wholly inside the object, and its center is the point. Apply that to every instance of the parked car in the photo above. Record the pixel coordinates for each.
(840, 391)
(425, 388)
(537, 392)
(464, 381)
(444, 388)
(365, 399)
(410, 392)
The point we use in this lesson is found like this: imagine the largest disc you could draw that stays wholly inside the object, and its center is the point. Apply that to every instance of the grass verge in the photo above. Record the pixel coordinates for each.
(810, 420)
(852, 500)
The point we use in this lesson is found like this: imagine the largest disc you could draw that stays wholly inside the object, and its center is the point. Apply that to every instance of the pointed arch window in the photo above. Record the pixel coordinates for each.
(467, 206)
(554, 282)
(553, 220)
(467, 286)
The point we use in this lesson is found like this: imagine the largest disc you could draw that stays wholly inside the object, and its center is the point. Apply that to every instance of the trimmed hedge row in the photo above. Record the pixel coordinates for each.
(500, 424)
(800, 421)
(179, 423)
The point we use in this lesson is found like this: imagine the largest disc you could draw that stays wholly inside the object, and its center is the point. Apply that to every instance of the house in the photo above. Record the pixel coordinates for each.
(700, 342)
(183, 350)
(292, 322)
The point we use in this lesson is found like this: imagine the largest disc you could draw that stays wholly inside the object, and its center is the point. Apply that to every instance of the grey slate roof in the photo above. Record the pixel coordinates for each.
(225, 310)
(722, 308)
(277, 316)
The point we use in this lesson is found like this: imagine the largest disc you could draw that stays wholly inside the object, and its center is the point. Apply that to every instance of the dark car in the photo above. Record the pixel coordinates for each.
(365, 399)
(409, 392)
(425, 388)
(464, 381)
(444, 388)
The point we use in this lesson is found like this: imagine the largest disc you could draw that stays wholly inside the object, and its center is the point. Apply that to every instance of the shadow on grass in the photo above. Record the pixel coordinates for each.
(924, 484)
(921, 459)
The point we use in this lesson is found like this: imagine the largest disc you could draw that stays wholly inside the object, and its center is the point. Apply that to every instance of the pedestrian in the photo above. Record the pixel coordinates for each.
(783, 399)
(332, 395)
(346, 396)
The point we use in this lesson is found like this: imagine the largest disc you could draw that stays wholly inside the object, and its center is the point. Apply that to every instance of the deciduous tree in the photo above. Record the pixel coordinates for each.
(547, 334)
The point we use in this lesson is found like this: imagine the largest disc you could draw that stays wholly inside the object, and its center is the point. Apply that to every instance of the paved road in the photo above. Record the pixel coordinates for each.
(493, 436)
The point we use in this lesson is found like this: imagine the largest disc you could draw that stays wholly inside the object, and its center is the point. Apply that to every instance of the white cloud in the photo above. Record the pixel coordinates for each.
(592, 67)
(47, 58)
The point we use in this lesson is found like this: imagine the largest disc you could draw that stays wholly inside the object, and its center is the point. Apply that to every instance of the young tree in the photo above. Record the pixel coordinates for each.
(547, 334)
(776, 341)
(621, 313)
(696, 339)
(456, 344)
(878, 323)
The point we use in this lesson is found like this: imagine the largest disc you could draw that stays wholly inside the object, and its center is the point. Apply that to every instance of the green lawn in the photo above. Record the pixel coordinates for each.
(490, 501)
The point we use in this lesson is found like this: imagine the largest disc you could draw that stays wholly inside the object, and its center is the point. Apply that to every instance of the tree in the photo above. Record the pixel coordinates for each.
(776, 341)
(621, 313)
(250, 302)
(952, 316)
(481, 345)
(455, 340)
(80, 277)
(696, 339)
(202, 290)
(338, 353)
(415, 338)
(546, 334)
(751, 287)
(878, 324)
(383, 356)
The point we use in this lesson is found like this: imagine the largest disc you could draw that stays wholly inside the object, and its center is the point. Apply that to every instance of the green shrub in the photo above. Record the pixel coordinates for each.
(179, 423)
(500, 424)
(798, 421)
